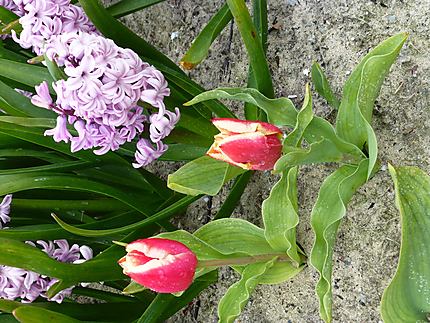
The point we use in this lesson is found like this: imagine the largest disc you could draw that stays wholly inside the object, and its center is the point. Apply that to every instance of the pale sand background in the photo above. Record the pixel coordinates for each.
(336, 34)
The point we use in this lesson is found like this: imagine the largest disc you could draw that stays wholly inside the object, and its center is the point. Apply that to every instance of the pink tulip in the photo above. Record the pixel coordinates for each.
(162, 265)
(247, 144)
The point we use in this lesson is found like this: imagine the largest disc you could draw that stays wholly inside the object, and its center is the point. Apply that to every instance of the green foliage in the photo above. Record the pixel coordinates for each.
(329, 209)
(193, 179)
(322, 86)
(407, 298)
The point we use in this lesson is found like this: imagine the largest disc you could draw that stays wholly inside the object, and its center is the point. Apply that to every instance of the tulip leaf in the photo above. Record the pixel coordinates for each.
(33, 314)
(279, 273)
(329, 209)
(318, 152)
(359, 94)
(281, 112)
(304, 118)
(407, 298)
(236, 297)
(193, 179)
(200, 47)
(280, 215)
(322, 86)
(126, 7)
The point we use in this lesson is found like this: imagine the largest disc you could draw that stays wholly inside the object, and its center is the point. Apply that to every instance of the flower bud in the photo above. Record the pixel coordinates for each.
(247, 144)
(162, 265)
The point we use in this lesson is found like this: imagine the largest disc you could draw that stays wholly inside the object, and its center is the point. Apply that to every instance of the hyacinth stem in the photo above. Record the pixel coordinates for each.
(10, 26)
(242, 260)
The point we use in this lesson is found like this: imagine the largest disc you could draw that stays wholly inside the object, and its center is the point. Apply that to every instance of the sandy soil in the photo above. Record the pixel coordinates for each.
(337, 34)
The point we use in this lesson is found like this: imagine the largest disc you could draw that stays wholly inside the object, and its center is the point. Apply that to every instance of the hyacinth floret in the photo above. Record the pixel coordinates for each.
(27, 286)
(40, 20)
(101, 94)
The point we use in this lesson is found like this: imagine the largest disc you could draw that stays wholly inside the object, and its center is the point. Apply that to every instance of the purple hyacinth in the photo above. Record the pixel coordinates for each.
(40, 20)
(100, 96)
(17, 283)
(5, 210)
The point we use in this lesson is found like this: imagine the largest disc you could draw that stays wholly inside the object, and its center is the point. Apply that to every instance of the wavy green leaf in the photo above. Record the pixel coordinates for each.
(193, 179)
(200, 47)
(322, 86)
(236, 297)
(126, 7)
(280, 215)
(281, 112)
(359, 94)
(407, 298)
(329, 209)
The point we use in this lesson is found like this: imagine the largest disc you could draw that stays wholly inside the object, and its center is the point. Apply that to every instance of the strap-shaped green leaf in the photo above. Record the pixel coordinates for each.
(200, 47)
(33, 314)
(193, 179)
(322, 86)
(407, 298)
(280, 215)
(281, 112)
(27, 74)
(360, 92)
(126, 7)
(237, 295)
(329, 209)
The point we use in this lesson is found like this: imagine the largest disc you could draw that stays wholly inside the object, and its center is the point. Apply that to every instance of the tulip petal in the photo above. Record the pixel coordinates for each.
(226, 125)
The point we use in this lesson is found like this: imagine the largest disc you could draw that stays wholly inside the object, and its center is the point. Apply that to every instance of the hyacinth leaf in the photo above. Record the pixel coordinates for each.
(126, 310)
(359, 94)
(304, 118)
(56, 72)
(162, 215)
(318, 152)
(11, 55)
(166, 305)
(200, 47)
(253, 45)
(33, 314)
(233, 196)
(29, 122)
(193, 179)
(236, 297)
(57, 167)
(123, 36)
(329, 209)
(21, 255)
(126, 7)
(27, 74)
(280, 216)
(322, 86)
(183, 152)
(407, 298)
(281, 112)
(7, 16)
(16, 104)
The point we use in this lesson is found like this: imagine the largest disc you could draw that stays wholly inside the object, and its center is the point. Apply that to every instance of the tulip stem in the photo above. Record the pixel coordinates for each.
(242, 260)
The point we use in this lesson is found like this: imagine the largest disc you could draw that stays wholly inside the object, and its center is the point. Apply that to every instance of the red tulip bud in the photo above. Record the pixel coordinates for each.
(162, 265)
(247, 144)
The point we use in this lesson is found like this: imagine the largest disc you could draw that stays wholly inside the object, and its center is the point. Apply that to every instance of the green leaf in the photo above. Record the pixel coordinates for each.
(329, 209)
(27, 74)
(29, 122)
(126, 7)
(304, 118)
(237, 295)
(183, 152)
(164, 214)
(193, 179)
(318, 152)
(281, 112)
(360, 92)
(279, 273)
(33, 314)
(322, 86)
(254, 46)
(55, 72)
(200, 47)
(407, 298)
(280, 215)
